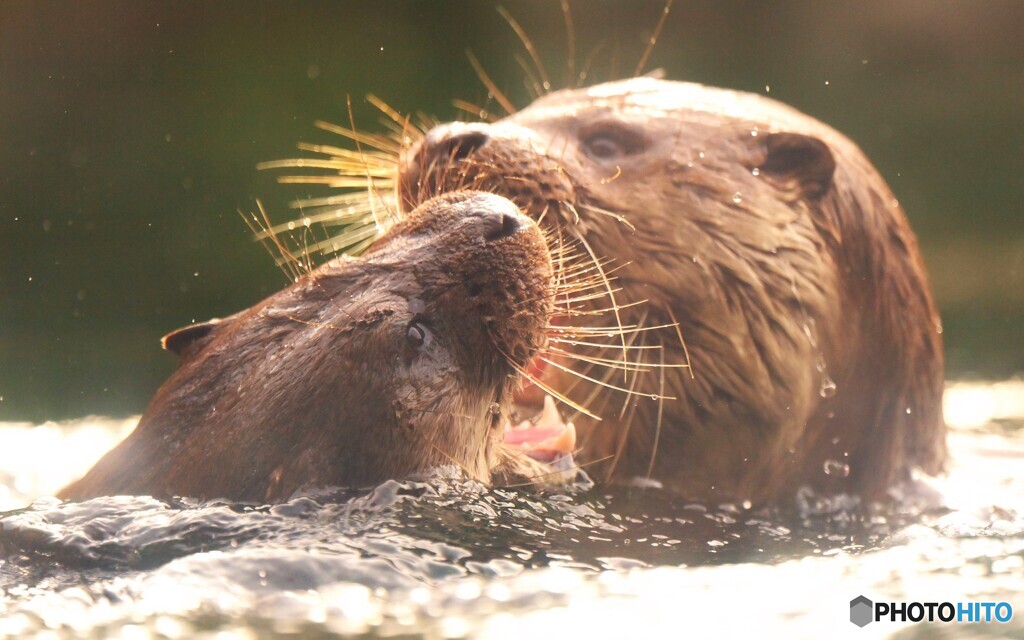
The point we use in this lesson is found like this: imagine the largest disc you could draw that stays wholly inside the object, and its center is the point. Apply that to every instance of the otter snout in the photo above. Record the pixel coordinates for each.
(454, 141)
(496, 224)
(499, 158)
(444, 147)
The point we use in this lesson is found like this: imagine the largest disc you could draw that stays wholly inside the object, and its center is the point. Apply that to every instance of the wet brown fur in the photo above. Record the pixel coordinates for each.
(319, 385)
(799, 292)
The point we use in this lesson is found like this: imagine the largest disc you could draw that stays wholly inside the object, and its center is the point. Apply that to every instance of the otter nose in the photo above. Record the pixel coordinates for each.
(455, 141)
(499, 224)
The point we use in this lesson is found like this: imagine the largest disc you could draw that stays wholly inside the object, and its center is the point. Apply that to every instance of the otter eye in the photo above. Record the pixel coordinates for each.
(603, 148)
(611, 141)
(417, 336)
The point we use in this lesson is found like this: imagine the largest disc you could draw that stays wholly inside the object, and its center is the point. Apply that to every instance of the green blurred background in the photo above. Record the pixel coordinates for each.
(130, 131)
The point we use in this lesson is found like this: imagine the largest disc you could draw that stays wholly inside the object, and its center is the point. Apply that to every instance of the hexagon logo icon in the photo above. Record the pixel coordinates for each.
(861, 611)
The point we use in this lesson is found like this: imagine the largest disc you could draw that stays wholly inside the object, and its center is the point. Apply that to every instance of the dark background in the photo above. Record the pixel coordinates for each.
(130, 131)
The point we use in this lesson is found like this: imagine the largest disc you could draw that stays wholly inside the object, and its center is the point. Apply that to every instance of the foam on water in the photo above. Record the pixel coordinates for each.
(444, 557)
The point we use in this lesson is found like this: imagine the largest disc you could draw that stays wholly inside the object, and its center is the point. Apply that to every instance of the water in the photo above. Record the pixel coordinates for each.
(442, 557)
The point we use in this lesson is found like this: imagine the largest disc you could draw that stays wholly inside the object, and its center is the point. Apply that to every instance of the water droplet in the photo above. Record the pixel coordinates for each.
(755, 171)
(909, 411)
(737, 197)
(767, 88)
(700, 155)
(753, 132)
(836, 468)
(291, 226)
(306, 222)
(828, 387)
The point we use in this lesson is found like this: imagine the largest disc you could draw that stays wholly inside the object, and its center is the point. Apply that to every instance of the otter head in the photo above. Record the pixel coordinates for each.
(464, 290)
(755, 235)
(366, 369)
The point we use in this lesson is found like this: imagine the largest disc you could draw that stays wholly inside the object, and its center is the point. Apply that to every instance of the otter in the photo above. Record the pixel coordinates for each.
(363, 370)
(773, 261)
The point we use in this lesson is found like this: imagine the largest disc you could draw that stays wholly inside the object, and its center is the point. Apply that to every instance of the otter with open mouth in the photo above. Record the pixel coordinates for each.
(774, 262)
(363, 370)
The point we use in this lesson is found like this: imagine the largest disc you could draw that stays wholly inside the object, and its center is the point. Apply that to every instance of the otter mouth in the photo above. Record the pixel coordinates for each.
(462, 158)
(546, 437)
(548, 443)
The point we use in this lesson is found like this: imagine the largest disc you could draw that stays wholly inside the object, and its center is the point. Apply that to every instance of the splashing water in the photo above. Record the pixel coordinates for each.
(444, 557)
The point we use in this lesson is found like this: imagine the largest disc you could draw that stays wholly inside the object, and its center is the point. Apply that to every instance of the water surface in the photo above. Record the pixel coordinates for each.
(445, 557)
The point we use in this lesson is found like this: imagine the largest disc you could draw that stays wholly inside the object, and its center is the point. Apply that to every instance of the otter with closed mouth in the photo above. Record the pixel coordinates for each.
(363, 370)
(772, 255)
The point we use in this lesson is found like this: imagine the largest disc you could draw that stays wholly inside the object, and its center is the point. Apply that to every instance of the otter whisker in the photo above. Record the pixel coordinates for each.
(583, 343)
(505, 103)
(611, 214)
(528, 45)
(375, 141)
(594, 380)
(595, 296)
(570, 33)
(533, 85)
(589, 62)
(654, 39)
(640, 356)
(426, 122)
(397, 118)
(333, 163)
(371, 187)
(597, 391)
(378, 159)
(595, 270)
(607, 331)
(661, 413)
(616, 364)
(679, 333)
(603, 362)
(529, 377)
(474, 110)
(336, 182)
(292, 266)
(571, 294)
(359, 237)
(611, 295)
(354, 203)
(626, 420)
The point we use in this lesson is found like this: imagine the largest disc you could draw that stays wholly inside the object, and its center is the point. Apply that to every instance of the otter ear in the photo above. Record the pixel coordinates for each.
(804, 159)
(186, 340)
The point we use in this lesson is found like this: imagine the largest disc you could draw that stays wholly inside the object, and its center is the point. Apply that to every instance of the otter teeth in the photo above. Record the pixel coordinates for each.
(546, 438)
